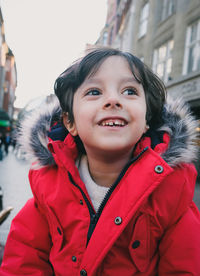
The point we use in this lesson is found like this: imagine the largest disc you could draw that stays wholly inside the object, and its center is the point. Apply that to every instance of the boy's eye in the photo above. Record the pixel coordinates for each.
(130, 91)
(93, 92)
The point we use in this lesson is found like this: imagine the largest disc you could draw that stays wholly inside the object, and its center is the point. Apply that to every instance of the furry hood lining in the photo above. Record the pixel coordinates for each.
(178, 122)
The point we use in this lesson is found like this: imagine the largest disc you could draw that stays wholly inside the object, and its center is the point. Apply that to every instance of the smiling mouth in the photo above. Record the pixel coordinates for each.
(113, 123)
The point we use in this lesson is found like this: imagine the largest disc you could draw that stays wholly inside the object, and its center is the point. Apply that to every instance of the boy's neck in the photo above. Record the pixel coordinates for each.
(105, 171)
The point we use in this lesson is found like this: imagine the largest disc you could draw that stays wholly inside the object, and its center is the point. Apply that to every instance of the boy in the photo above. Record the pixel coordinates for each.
(113, 192)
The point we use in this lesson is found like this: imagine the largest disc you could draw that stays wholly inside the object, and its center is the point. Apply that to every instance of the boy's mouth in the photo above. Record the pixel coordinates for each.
(113, 122)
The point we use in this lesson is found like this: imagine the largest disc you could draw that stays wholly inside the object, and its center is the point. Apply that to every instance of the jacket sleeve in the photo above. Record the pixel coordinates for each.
(180, 246)
(28, 245)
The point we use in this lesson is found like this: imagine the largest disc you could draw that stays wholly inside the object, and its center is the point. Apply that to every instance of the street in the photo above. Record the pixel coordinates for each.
(16, 189)
(15, 186)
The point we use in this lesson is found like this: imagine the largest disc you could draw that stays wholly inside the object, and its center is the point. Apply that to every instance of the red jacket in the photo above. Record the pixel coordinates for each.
(146, 225)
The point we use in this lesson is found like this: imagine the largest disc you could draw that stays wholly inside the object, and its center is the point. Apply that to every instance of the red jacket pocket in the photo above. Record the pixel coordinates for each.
(56, 230)
(139, 246)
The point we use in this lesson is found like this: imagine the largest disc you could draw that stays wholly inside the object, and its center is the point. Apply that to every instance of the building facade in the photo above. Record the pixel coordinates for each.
(165, 34)
(8, 74)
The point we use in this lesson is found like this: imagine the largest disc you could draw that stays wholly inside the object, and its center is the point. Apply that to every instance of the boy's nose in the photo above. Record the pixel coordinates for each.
(112, 102)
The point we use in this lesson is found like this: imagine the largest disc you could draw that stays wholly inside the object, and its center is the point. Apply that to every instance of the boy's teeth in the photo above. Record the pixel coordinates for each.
(113, 123)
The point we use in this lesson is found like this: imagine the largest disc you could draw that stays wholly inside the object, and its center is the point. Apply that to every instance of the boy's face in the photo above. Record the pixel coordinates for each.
(109, 110)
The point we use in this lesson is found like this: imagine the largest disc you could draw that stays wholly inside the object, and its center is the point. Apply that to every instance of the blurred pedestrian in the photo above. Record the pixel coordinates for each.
(1, 143)
(7, 141)
(14, 138)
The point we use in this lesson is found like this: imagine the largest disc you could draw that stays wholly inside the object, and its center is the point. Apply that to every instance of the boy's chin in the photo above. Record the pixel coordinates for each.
(114, 151)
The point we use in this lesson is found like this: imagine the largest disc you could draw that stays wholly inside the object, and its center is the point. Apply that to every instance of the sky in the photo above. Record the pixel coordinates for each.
(46, 36)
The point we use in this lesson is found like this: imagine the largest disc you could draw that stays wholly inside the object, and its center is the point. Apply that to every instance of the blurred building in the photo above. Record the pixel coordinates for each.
(8, 74)
(118, 30)
(165, 34)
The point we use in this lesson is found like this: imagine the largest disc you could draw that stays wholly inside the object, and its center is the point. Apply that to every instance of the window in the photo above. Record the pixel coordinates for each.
(168, 8)
(1, 39)
(144, 20)
(192, 49)
(111, 36)
(162, 60)
(105, 38)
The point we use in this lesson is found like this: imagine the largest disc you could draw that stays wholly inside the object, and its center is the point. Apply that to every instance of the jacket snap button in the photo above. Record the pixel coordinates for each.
(81, 201)
(136, 244)
(159, 169)
(83, 272)
(118, 220)
(73, 258)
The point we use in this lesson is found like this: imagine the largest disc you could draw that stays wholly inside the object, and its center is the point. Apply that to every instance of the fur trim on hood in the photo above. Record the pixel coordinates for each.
(178, 122)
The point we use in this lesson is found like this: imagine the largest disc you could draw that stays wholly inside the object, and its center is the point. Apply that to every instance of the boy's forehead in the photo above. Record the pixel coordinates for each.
(92, 76)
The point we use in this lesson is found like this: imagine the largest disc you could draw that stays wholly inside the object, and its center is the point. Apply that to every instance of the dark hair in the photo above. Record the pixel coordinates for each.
(71, 79)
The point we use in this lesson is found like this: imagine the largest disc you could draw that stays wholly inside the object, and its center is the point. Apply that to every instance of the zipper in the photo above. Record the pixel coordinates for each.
(114, 185)
(90, 208)
(94, 217)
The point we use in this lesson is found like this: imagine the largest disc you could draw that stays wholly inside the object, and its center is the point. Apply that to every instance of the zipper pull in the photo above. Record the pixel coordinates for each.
(93, 219)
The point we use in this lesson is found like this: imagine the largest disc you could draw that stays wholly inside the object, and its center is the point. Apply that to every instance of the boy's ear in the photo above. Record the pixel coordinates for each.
(71, 127)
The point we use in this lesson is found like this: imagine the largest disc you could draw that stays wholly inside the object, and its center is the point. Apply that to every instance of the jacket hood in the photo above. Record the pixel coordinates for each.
(177, 122)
